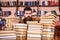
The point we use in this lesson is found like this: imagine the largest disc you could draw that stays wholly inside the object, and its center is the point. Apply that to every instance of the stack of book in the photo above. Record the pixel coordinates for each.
(11, 34)
(21, 31)
(34, 32)
(49, 27)
(48, 32)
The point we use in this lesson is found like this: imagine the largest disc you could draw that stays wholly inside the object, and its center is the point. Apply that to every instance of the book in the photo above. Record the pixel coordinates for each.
(32, 22)
(36, 3)
(29, 3)
(32, 3)
(43, 3)
(54, 12)
(57, 3)
(26, 3)
(52, 3)
(21, 3)
(20, 14)
(14, 3)
(7, 3)
(33, 37)
(7, 13)
(1, 13)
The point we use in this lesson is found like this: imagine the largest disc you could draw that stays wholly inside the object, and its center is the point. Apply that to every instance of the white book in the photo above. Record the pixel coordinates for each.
(37, 26)
(46, 3)
(35, 29)
(49, 17)
(33, 35)
(7, 34)
(49, 30)
(12, 37)
(20, 25)
(34, 38)
(49, 24)
(32, 32)
(48, 35)
(32, 22)
(46, 21)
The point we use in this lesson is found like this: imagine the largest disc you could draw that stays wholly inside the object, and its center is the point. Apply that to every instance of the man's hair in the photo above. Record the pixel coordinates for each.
(0, 9)
(27, 9)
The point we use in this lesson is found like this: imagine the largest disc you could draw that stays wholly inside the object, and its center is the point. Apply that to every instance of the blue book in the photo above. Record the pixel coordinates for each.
(26, 3)
(21, 3)
(21, 13)
(32, 3)
(29, 3)
(7, 13)
(52, 30)
(1, 13)
(2, 23)
(39, 13)
(43, 3)
(36, 3)
(44, 12)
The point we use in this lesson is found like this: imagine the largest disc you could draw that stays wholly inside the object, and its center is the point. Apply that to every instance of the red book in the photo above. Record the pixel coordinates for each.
(52, 3)
(57, 3)
(3, 13)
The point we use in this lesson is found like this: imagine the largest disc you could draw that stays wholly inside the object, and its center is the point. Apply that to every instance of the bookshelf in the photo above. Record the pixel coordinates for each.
(8, 6)
(12, 9)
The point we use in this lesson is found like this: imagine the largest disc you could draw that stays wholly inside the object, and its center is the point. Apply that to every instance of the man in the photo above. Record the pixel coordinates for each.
(28, 15)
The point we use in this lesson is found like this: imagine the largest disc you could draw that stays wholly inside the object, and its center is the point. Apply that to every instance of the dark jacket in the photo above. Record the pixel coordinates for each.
(33, 19)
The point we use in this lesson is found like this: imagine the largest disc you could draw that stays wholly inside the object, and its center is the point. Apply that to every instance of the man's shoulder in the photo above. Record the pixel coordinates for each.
(33, 19)
(21, 21)
(36, 18)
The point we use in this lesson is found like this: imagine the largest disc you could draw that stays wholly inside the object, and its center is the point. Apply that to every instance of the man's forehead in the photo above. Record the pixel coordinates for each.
(27, 11)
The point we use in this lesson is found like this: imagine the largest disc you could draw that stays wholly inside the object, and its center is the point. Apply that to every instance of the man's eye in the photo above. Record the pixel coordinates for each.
(29, 13)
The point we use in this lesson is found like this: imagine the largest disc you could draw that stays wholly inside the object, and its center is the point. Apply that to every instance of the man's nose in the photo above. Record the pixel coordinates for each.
(28, 15)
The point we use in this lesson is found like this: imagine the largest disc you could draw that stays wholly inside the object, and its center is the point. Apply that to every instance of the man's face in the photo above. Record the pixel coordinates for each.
(28, 14)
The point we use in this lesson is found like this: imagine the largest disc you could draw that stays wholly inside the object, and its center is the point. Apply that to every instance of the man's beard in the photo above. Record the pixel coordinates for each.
(27, 19)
